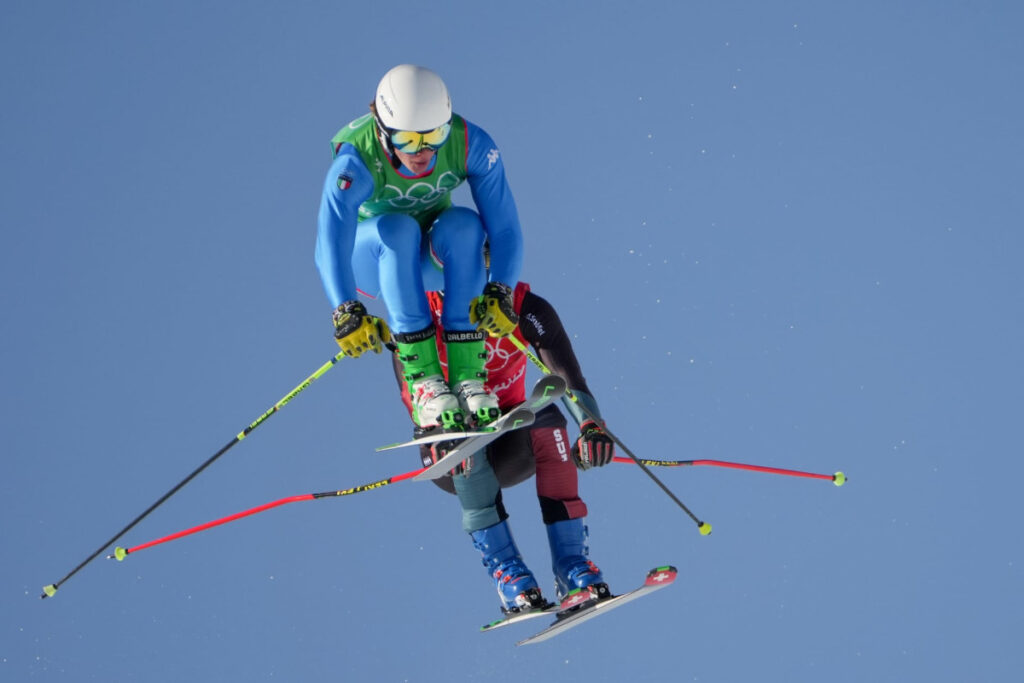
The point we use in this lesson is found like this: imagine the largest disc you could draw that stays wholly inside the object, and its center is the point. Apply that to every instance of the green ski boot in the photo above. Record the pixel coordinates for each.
(467, 372)
(433, 403)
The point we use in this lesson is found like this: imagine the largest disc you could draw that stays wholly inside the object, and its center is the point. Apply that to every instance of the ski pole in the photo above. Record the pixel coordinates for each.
(50, 589)
(702, 526)
(121, 553)
(838, 478)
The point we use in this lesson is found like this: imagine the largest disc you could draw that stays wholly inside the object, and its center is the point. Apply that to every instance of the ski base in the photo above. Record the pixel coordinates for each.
(657, 578)
(434, 438)
(526, 615)
(546, 390)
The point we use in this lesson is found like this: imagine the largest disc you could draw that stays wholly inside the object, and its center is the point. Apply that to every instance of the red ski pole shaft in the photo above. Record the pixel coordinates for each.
(838, 478)
(120, 553)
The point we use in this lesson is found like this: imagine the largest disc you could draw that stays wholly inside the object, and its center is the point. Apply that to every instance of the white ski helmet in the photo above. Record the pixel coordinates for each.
(412, 98)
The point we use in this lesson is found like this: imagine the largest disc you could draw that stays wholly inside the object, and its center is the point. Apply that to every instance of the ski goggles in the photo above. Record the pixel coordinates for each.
(410, 142)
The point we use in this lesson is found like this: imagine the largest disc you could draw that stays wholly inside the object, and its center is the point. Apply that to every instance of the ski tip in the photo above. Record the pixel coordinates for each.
(550, 386)
(838, 478)
(705, 528)
(660, 576)
(48, 591)
(119, 554)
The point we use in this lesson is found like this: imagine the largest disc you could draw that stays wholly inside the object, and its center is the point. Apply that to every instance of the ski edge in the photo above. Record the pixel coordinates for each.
(552, 608)
(434, 438)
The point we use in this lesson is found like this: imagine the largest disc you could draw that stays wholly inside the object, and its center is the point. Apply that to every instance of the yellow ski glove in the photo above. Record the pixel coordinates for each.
(357, 332)
(493, 311)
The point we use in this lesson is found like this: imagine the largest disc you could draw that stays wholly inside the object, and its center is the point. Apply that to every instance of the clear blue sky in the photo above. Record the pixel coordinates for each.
(782, 233)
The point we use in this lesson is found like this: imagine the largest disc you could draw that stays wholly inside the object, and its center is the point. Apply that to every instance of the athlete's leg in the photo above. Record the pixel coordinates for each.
(386, 259)
(457, 246)
(479, 495)
(484, 517)
(563, 513)
(557, 477)
(456, 242)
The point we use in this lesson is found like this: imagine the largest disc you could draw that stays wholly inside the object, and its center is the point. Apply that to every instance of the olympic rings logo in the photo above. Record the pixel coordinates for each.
(421, 195)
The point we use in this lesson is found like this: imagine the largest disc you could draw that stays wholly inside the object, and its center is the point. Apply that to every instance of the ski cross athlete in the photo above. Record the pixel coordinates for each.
(387, 226)
(515, 456)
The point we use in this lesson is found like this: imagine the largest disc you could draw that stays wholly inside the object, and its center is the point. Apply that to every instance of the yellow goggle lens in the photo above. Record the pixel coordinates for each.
(410, 142)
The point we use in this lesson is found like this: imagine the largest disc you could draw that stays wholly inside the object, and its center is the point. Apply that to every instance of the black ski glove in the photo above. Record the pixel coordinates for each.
(594, 448)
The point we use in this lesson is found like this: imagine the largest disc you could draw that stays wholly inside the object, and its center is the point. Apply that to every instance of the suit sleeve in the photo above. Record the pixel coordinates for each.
(543, 330)
(494, 201)
(348, 184)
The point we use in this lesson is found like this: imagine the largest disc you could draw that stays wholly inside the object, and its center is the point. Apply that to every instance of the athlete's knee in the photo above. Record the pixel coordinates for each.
(399, 233)
(480, 488)
(459, 218)
(457, 228)
(477, 518)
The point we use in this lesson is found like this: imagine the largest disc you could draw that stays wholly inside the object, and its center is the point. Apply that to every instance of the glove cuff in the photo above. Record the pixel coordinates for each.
(499, 289)
(348, 307)
(582, 408)
(414, 337)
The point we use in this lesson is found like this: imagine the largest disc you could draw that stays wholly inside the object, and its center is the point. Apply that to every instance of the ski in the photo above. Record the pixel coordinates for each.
(434, 437)
(516, 617)
(657, 578)
(516, 418)
(547, 389)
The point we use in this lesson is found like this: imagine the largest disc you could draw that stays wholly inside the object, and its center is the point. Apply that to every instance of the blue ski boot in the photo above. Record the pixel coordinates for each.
(577, 579)
(516, 585)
